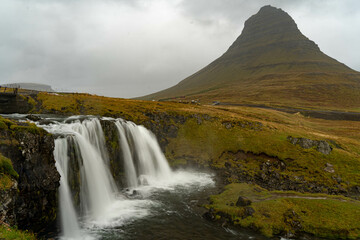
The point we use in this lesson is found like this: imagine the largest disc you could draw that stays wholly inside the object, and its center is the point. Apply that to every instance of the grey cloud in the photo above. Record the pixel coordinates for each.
(130, 48)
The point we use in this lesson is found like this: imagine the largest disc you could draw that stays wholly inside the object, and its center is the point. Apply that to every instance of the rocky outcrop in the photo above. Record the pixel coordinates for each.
(270, 173)
(293, 220)
(320, 146)
(163, 125)
(257, 126)
(14, 103)
(31, 152)
(114, 151)
(7, 204)
(243, 202)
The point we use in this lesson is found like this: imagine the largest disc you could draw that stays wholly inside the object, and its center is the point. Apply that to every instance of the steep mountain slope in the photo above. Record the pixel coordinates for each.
(272, 62)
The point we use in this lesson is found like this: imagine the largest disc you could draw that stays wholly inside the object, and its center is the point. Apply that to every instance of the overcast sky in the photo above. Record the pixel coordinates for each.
(129, 48)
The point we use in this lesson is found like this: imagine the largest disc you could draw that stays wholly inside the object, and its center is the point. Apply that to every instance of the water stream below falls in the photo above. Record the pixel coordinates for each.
(151, 202)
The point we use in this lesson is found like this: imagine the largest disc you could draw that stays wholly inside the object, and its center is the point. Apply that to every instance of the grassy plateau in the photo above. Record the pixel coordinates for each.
(248, 146)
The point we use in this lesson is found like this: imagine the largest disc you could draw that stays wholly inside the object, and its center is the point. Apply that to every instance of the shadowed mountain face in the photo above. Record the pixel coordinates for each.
(272, 62)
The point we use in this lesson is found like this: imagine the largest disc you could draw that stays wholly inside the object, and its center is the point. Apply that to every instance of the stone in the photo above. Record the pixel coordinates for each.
(324, 147)
(46, 122)
(135, 193)
(320, 146)
(306, 143)
(33, 117)
(227, 165)
(248, 211)
(292, 219)
(243, 202)
(227, 125)
(210, 215)
(329, 169)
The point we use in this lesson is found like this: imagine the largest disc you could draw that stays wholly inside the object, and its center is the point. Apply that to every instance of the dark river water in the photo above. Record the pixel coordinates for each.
(165, 208)
(174, 213)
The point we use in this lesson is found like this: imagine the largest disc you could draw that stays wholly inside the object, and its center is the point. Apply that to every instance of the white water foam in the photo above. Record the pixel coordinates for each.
(102, 205)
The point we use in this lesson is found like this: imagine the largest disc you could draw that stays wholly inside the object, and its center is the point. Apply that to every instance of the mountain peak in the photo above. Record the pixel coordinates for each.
(271, 62)
(269, 29)
(269, 8)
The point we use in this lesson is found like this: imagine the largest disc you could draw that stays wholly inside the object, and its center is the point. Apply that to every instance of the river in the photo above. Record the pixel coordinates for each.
(153, 202)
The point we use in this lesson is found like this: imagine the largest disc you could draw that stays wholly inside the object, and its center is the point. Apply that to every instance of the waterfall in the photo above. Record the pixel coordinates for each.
(130, 172)
(97, 192)
(68, 218)
(143, 161)
(151, 162)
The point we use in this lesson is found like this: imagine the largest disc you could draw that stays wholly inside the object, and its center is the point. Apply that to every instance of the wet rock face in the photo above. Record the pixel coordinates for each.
(11, 103)
(7, 204)
(210, 215)
(163, 125)
(32, 157)
(114, 151)
(33, 117)
(321, 146)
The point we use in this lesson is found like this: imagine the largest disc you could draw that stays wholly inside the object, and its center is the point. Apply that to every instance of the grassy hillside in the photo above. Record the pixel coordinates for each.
(10, 233)
(279, 212)
(249, 145)
(214, 136)
(271, 63)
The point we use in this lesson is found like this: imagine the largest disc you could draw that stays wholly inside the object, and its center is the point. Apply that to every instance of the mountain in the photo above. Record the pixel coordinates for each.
(31, 86)
(271, 63)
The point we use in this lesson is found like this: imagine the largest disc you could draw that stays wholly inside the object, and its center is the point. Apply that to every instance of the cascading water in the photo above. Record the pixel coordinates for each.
(151, 162)
(130, 171)
(144, 163)
(149, 200)
(68, 216)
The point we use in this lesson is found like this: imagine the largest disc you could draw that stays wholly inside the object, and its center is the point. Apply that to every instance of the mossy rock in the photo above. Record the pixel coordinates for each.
(6, 167)
(12, 233)
(284, 212)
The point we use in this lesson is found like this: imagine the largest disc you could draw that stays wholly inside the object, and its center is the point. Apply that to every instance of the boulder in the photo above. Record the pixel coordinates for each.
(33, 117)
(243, 202)
(324, 147)
(248, 211)
(210, 215)
(320, 146)
(329, 168)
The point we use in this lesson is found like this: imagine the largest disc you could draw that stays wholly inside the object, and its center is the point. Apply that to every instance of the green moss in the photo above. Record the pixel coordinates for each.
(211, 142)
(319, 214)
(31, 128)
(11, 233)
(5, 182)
(5, 123)
(6, 167)
(31, 101)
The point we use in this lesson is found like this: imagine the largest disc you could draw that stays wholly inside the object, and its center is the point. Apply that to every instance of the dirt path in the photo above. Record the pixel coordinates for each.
(289, 195)
(321, 114)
